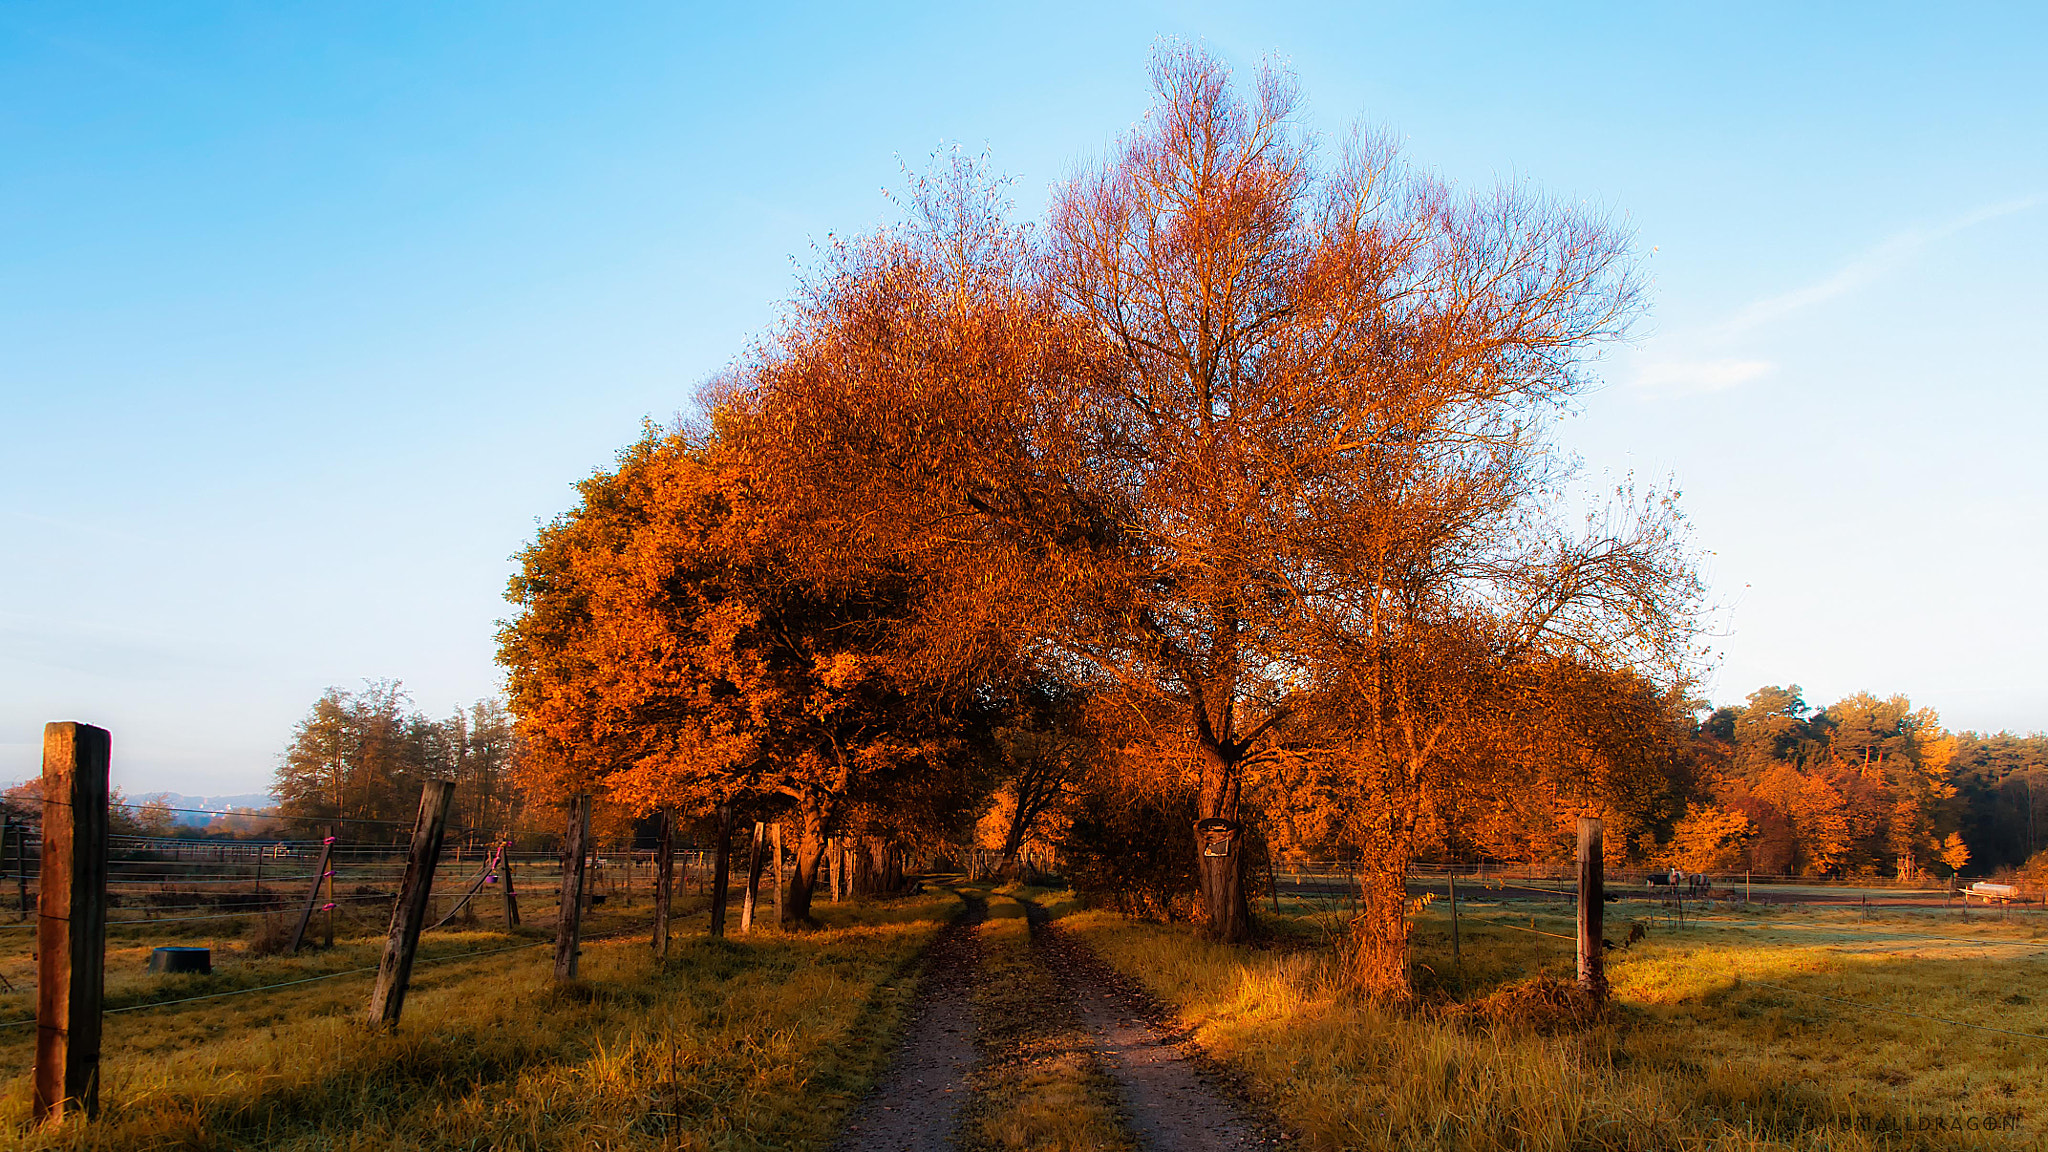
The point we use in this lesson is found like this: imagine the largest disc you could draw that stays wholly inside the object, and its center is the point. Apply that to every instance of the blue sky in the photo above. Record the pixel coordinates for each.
(308, 313)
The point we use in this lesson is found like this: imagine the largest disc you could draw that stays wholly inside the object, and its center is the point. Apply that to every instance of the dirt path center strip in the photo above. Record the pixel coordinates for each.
(1171, 1107)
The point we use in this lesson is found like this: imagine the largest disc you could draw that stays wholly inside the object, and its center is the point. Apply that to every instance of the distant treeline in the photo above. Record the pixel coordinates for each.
(361, 756)
(1864, 786)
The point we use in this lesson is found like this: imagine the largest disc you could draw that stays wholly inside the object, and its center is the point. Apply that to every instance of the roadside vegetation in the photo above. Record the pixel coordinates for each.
(756, 1042)
(1717, 1037)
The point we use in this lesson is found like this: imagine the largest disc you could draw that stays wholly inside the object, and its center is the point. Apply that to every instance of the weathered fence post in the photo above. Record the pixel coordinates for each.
(511, 897)
(756, 858)
(1592, 906)
(333, 837)
(71, 921)
(1455, 957)
(722, 869)
(409, 914)
(320, 875)
(664, 880)
(569, 921)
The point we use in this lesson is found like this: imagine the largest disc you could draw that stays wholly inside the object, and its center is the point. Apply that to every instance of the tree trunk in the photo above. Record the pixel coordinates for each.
(1219, 850)
(860, 879)
(781, 897)
(835, 857)
(722, 868)
(664, 881)
(810, 853)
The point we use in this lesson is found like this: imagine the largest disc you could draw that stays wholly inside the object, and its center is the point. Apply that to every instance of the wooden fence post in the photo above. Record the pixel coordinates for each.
(569, 921)
(511, 897)
(721, 869)
(320, 875)
(756, 857)
(1455, 957)
(664, 880)
(71, 921)
(1592, 908)
(409, 913)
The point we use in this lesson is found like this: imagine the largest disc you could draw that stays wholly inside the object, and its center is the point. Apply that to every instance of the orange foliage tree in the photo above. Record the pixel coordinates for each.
(666, 654)
(1246, 423)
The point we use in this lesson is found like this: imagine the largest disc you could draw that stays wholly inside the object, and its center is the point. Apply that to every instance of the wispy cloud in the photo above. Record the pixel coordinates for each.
(1868, 266)
(1708, 359)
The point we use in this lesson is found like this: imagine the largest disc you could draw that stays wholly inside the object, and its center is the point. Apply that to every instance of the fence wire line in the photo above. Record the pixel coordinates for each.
(1517, 927)
(336, 975)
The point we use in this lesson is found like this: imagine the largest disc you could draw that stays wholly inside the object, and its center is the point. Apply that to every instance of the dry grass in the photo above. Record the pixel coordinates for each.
(1038, 1086)
(745, 1043)
(1695, 1054)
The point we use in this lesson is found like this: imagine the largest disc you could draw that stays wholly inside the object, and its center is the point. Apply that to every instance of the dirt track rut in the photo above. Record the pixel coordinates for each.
(1168, 1103)
(916, 1107)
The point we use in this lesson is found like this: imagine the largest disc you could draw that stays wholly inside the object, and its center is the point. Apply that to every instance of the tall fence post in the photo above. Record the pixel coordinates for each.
(409, 914)
(71, 921)
(757, 857)
(569, 921)
(1592, 907)
(722, 869)
(320, 875)
(1455, 957)
(511, 897)
(664, 880)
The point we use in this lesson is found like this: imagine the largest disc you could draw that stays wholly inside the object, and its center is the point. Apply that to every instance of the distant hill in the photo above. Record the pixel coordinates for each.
(199, 806)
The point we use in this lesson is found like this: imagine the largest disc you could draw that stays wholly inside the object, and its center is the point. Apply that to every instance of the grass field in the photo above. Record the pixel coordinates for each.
(744, 1043)
(1720, 1037)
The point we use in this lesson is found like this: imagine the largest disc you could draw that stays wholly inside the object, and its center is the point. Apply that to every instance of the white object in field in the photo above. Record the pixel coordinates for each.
(1995, 891)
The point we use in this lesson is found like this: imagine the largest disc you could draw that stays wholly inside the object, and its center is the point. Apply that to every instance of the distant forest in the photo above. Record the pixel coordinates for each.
(359, 757)
(1865, 786)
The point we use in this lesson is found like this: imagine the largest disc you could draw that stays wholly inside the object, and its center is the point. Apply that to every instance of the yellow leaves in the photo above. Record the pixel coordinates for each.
(842, 670)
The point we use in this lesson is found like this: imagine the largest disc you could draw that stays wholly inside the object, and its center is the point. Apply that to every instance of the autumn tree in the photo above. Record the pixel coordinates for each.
(1248, 417)
(361, 755)
(667, 653)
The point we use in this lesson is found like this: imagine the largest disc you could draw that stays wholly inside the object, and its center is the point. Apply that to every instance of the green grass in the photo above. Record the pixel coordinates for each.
(1696, 1053)
(759, 1042)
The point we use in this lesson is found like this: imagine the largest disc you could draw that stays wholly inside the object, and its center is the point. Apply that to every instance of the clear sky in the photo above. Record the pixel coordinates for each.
(309, 313)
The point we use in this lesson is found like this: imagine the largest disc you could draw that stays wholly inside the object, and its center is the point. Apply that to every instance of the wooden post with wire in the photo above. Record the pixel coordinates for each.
(1453, 876)
(721, 866)
(1592, 907)
(569, 921)
(757, 857)
(664, 880)
(409, 913)
(71, 922)
(321, 875)
(511, 897)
